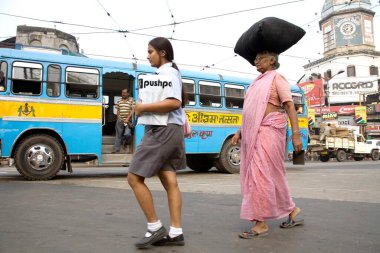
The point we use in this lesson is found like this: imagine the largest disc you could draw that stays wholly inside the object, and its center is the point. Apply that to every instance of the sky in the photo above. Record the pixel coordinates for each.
(204, 36)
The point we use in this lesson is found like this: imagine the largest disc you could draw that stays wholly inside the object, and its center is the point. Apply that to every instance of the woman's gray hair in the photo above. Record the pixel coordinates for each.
(276, 64)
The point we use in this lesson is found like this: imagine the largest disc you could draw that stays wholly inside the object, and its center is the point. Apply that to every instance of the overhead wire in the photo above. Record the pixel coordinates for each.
(218, 16)
(172, 16)
(125, 36)
(109, 30)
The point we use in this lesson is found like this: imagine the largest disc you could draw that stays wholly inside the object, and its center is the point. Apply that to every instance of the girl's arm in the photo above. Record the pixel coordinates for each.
(164, 106)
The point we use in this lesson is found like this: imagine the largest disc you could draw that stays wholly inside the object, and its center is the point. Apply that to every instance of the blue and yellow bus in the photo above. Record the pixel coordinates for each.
(56, 109)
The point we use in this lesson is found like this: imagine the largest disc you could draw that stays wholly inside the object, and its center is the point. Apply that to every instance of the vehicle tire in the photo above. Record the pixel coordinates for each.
(324, 158)
(199, 163)
(229, 159)
(375, 155)
(358, 158)
(39, 157)
(341, 155)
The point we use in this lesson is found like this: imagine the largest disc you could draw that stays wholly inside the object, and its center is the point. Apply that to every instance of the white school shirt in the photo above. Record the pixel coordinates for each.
(176, 116)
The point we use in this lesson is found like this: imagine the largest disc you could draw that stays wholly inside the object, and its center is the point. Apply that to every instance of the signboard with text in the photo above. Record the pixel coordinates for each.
(314, 93)
(351, 89)
(340, 110)
(311, 117)
(329, 116)
(360, 115)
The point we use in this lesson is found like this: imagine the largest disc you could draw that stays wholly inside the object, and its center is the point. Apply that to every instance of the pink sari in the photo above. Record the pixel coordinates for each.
(265, 192)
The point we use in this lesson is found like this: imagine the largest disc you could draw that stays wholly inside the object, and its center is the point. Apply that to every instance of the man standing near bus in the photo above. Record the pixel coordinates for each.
(125, 109)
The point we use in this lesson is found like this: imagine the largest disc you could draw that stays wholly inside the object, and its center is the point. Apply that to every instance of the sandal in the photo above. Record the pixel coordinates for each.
(291, 223)
(252, 234)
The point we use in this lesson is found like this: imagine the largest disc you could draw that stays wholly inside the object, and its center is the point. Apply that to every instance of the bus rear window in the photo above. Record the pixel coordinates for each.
(3, 76)
(53, 85)
(209, 94)
(234, 96)
(190, 91)
(298, 103)
(82, 83)
(26, 78)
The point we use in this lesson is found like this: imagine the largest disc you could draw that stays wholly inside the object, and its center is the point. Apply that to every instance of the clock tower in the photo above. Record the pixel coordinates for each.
(347, 26)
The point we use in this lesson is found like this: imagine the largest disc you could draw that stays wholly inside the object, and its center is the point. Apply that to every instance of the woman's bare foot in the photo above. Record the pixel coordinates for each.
(294, 213)
(260, 227)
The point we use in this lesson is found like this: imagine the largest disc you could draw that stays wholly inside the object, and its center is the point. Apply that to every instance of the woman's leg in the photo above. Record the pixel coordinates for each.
(143, 196)
(260, 227)
(294, 213)
(169, 181)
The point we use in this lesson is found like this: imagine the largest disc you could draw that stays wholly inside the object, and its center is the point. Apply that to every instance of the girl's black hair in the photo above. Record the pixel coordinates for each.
(160, 44)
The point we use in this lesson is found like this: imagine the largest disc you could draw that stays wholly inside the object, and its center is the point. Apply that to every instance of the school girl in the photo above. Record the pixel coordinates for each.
(161, 151)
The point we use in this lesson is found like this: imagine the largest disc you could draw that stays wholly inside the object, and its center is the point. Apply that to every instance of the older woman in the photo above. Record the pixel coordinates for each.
(265, 192)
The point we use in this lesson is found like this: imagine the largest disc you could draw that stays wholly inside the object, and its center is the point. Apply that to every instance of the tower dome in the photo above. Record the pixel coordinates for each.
(335, 5)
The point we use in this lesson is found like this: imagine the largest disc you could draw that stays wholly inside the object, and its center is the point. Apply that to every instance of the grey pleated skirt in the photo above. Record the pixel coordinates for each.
(161, 148)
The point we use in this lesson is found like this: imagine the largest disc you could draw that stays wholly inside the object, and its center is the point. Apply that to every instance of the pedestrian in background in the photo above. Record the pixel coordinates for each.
(265, 192)
(124, 112)
(161, 151)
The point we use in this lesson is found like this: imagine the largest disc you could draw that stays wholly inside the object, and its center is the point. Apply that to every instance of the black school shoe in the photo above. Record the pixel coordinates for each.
(168, 241)
(148, 241)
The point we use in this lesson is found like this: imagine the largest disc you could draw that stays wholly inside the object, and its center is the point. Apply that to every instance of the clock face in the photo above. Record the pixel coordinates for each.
(347, 28)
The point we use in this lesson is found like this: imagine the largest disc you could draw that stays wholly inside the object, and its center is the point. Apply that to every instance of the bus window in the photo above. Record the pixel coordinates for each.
(27, 78)
(53, 87)
(3, 76)
(234, 95)
(190, 91)
(209, 94)
(82, 83)
(298, 103)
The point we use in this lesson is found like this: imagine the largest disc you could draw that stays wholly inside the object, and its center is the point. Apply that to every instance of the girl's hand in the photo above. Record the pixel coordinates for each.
(236, 138)
(297, 143)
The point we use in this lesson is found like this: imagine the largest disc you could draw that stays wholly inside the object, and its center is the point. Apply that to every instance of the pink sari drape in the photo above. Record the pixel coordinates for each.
(265, 192)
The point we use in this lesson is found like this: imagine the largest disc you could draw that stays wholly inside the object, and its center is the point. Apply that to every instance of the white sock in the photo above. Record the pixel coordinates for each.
(154, 226)
(174, 232)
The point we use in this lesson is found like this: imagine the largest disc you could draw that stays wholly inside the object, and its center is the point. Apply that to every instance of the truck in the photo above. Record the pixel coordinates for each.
(339, 147)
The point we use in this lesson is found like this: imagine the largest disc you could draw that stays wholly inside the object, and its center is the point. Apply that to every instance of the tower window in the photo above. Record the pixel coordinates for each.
(351, 71)
(328, 73)
(373, 71)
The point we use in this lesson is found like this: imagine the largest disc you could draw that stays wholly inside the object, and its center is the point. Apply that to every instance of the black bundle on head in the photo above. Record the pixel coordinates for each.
(269, 34)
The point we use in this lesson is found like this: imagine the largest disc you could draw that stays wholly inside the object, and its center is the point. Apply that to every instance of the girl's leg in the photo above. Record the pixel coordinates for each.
(169, 181)
(143, 196)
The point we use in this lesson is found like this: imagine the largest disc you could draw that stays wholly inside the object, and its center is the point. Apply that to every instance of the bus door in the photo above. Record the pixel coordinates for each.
(114, 81)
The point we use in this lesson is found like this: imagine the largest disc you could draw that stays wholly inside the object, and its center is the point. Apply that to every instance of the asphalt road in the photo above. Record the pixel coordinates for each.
(94, 210)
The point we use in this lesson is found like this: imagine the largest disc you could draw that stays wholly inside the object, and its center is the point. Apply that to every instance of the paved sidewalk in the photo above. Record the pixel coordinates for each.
(39, 218)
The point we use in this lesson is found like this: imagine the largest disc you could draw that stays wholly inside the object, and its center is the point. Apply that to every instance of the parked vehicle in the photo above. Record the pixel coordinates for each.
(339, 147)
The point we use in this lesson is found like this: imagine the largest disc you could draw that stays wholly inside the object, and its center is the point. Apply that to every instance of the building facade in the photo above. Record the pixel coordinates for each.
(41, 38)
(349, 68)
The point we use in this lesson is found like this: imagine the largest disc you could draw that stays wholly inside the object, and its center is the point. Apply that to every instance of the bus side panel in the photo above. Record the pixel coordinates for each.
(303, 127)
(205, 139)
(83, 136)
(11, 130)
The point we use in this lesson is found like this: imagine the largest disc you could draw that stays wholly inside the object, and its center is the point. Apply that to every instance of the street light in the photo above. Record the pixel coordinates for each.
(328, 87)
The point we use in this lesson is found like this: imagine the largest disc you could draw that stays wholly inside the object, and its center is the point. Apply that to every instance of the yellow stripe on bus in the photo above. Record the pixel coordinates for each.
(47, 110)
(302, 123)
(214, 118)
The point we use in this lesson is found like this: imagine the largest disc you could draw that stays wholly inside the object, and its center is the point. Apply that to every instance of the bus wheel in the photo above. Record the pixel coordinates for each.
(324, 158)
(39, 157)
(341, 155)
(229, 159)
(199, 163)
(375, 155)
